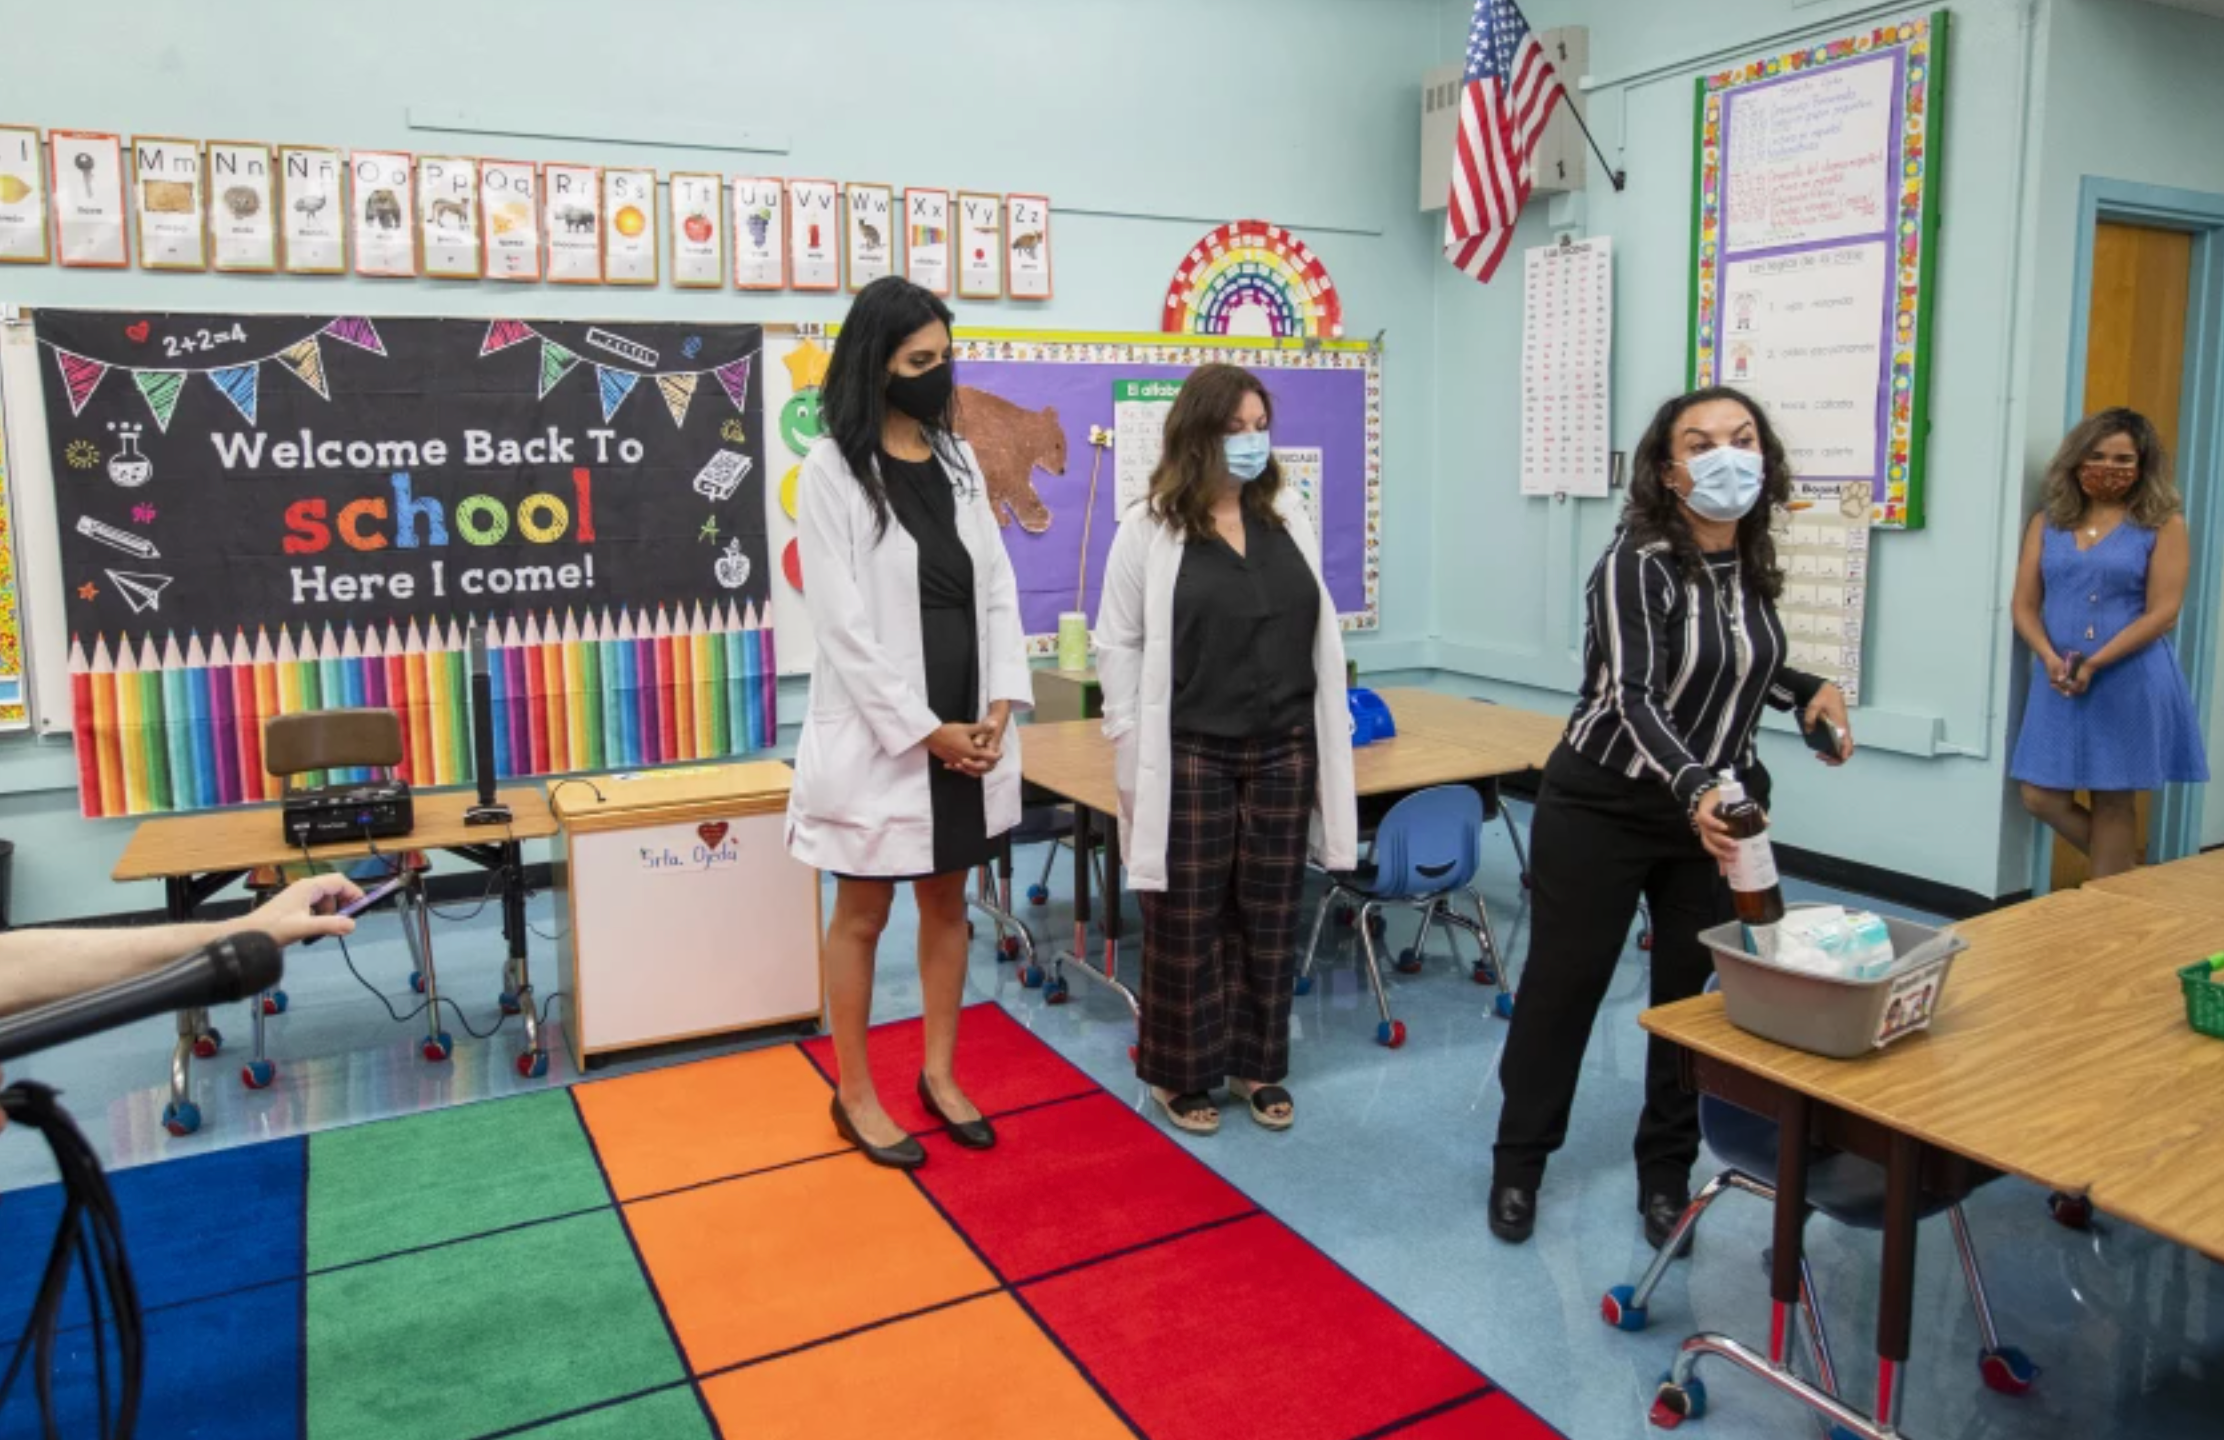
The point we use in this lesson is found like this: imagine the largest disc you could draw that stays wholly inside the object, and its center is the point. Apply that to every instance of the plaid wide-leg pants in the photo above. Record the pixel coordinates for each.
(1219, 943)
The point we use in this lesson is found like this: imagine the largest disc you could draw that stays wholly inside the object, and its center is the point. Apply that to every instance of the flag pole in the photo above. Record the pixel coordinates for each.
(1619, 178)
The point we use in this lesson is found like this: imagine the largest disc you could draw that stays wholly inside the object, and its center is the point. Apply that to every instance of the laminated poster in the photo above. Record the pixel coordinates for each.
(173, 233)
(870, 236)
(22, 198)
(311, 204)
(760, 234)
(812, 222)
(242, 196)
(698, 239)
(448, 211)
(383, 212)
(980, 246)
(629, 249)
(574, 219)
(87, 181)
(1027, 246)
(510, 206)
(927, 239)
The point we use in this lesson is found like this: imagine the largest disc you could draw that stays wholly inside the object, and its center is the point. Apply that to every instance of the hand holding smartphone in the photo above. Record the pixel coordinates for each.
(369, 898)
(1823, 738)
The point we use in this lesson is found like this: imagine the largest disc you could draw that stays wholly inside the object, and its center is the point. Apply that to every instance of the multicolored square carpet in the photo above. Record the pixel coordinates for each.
(692, 1252)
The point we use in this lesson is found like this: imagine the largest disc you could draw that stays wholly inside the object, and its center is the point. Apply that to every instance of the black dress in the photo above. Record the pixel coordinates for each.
(926, 505)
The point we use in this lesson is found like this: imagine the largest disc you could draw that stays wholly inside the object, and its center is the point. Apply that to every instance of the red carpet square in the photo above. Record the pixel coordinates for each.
(1497, 1416)
(1000, 1063)
(1300, 1350)
(1070, 1182)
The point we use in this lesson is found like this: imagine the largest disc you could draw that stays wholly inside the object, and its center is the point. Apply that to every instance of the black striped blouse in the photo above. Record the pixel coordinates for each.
(1675, 671)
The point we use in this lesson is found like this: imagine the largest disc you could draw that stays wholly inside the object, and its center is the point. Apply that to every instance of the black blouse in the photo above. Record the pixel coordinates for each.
(1243, 635)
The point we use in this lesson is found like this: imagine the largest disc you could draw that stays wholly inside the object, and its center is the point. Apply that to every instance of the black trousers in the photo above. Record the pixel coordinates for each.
(1600, 840)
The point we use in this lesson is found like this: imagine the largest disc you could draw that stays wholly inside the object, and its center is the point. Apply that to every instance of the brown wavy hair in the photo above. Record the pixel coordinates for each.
(1655, 511)
(2154, 496)
(1193, 470)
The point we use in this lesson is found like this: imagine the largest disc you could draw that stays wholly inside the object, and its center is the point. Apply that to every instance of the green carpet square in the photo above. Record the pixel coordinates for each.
(484, 1335)
(399, 1184)
(667, 1415)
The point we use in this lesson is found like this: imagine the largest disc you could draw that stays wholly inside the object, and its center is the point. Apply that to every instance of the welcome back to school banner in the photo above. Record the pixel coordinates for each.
(264, 514)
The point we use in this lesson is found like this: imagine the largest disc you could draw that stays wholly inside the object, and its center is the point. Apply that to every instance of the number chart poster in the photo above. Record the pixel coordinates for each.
(263, 515)
(1813, 238)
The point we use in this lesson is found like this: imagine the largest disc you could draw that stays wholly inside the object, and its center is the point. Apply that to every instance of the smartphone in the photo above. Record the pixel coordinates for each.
(1822, 737)
(2072, 662)
(370, 897)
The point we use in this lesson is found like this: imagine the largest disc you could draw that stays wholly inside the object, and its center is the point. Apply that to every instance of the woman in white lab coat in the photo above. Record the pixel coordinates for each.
(906, 771)
(1223, 675)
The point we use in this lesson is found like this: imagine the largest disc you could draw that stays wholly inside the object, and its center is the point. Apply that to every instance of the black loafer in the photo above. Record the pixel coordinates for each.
(1661, 1211)
(971, 1134)
(905, 1154)
(1513, 1213)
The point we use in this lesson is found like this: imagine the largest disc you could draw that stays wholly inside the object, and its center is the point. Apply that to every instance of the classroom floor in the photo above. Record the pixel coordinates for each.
(1385, 1172)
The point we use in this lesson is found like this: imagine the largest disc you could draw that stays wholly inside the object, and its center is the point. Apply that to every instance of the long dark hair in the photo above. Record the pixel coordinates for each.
(853, 399)
(1193, 469)
(2153, 498)
(1655, 511)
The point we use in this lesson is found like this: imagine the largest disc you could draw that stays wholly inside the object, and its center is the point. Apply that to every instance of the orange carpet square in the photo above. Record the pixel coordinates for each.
(1000, 1063)
(752, 1267)
(1119, 1179)
(663, 1129)
(976, 1371)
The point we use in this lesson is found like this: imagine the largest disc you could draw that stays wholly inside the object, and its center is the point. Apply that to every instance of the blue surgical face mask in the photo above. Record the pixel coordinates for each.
(1248, 453)
(1725, 483)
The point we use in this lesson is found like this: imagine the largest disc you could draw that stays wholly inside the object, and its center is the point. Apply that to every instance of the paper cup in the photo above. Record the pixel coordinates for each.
(1073, 641)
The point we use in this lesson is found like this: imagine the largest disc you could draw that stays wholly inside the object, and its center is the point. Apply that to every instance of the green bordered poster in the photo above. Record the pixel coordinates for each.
(1812, 241)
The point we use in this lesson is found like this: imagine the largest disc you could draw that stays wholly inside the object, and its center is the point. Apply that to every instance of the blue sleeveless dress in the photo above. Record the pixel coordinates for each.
(2134, 728)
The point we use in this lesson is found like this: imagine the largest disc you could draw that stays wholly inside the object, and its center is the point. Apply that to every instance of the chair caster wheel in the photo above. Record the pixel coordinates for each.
(1055, 991)
(1408, 962)
(1378, 925)
(1032, 977)
(417, 982)
(437, 1047)
(1645, 940)
(1134, 1053)
(1621, 1310)
(1346, 916)
(532, 1064)
(275, 1003)
(2072, 1212)
(208, 1044)
(181, 1117)
(1673, 1404)
(1482, 974)
(1390, 1034)
(1038, 895)
(257, 1074)
(1304, 985)
(1526, 882)
(1008, 947)
(1504, 1006)
(508, 1001)
(2007, 1371)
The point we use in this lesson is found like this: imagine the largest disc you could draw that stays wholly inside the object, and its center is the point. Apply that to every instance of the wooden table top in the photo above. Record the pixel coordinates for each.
(244, 839)
(2195, 883)
(2060, 1053)
(1526, 735)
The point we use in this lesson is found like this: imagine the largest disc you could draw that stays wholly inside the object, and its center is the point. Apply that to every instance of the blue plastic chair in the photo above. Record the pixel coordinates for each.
(1847, 1189)
(1425, 855)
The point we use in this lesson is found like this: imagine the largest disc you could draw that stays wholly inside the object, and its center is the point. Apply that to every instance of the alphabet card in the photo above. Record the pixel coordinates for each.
(383, 215)
(1028, 246)
(698, 234)
(22, 197)
(927, 239)
(980, 246)
(88, 188)
(448, 209)
(173, 233)
(870, 235)
(243, 226)
(1822, 540)
(760, 229)
(629, 249)
(574, 211)
(510, 205)
(812, 222)
(311, 202)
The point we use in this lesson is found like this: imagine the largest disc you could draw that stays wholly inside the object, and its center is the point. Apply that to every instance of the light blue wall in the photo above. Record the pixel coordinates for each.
(1163, 117)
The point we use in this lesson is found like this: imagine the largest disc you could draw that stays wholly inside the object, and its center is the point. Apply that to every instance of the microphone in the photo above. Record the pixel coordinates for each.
(230, 970)
(487, 811)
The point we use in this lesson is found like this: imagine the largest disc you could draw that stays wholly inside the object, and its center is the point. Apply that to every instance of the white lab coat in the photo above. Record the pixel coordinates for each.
(1135, 665)
(861, 804)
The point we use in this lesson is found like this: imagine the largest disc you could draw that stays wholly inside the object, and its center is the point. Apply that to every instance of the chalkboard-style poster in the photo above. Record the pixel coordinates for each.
(267, 514)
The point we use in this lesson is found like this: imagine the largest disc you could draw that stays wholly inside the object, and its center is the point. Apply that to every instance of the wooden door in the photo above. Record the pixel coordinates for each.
(2134, 356)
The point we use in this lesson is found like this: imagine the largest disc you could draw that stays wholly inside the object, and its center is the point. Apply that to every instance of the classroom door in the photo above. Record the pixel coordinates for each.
(2135, 356)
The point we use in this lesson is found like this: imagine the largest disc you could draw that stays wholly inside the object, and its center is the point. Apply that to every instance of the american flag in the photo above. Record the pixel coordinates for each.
(1508, 94)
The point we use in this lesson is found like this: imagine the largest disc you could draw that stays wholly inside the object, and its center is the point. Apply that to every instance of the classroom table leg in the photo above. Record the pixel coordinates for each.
(992, 896)
(438, 1044)
(1084, 822)
(181, 1116)
(1109, 881)
(532, 1061)
(1896, 1302)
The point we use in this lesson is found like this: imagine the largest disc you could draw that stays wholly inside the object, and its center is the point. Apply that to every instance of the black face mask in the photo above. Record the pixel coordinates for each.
(925, 397)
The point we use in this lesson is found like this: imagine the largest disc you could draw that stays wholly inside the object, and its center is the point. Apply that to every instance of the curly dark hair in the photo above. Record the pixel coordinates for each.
(2154, 496)
(1655, 512)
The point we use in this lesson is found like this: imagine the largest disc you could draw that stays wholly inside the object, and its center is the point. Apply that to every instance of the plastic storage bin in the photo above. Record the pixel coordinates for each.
(1827, 1016)
(2204, 999)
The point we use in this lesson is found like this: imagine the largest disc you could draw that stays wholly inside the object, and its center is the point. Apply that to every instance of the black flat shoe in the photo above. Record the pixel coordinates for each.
(905, 1154)
(1513, 1213)
(972, 1134)
(1661, 1212)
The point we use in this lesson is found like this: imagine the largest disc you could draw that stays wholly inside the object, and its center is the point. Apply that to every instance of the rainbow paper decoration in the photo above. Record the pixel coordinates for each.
(1249, 265)
(164, 724)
